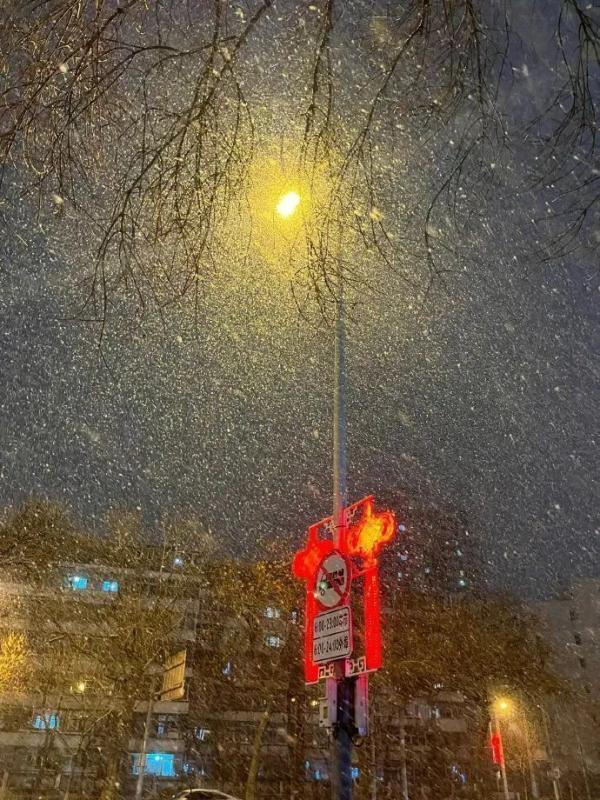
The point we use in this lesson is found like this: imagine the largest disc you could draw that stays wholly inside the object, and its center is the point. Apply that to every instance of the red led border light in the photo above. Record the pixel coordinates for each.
(361, 541)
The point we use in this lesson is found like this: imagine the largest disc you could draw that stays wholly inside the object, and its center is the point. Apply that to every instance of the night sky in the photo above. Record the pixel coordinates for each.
(484, 398)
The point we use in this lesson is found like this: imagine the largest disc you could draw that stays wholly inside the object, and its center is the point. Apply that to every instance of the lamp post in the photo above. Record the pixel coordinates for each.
(505, 707)
(341, 750)
(499, 752)
(341, 778)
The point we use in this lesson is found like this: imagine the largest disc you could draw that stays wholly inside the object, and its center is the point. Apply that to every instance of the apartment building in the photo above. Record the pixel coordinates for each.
(570, 626)
(59, 721)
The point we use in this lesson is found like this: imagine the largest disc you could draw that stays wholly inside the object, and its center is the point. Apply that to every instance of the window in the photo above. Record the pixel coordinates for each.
(462, 583)
(159, 764)
(577, 638)
(572, 615)
(201, 734)
(46, 721)
(178, 561)
(77, 582)
(110, 586)
(582, 662)
(273, 641)
(272, 613)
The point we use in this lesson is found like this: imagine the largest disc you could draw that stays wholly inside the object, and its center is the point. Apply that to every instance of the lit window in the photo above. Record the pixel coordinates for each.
(178, 561)
(110, 586)
(160, 764)
(273, 641)
(46, 721)
(201, 734)
(462, 583)
(227, 668)
(355, 773)
(77, 582)
(272, 613)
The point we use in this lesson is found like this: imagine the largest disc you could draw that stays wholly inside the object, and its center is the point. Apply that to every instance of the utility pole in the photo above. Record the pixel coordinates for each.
(549, 749)
(534, 785)
(341, 766)
(139, 785)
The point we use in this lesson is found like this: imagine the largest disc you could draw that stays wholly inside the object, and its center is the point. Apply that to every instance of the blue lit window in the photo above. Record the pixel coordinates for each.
(110, 586)
(77, 582)
(178, 561)
(160, 764)
(462, 583)
(272, 613)
(46, 721)
(273, 641)
(355, 773)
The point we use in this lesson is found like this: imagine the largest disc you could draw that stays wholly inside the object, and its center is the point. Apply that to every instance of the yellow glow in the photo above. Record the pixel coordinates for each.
(287, 204)
(503, 706)
(80, 687)
(288, 207)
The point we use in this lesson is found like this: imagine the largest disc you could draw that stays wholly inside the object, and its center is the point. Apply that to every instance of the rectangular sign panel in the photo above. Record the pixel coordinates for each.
(332, 635)
(337, 620)
(330, 648)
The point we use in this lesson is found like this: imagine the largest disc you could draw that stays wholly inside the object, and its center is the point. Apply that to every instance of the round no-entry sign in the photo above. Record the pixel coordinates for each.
(333, 580)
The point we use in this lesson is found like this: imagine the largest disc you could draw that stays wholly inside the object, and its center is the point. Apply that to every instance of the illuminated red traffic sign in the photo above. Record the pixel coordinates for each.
(329, 572)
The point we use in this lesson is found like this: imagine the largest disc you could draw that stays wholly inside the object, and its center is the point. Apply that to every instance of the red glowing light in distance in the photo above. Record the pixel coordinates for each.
(497, 749)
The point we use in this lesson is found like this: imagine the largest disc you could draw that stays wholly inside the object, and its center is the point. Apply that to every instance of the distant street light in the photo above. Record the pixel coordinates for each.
(506, 707)
(501, 706)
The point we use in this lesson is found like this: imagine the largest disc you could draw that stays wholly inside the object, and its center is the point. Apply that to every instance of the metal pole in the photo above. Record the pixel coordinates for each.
(502, 762)
(341, 761)
(139, 785)
(403, 770)
(555, 785)
(339, 413)
(534, 785)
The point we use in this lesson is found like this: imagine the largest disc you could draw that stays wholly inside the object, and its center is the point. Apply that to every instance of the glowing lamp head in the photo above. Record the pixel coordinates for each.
(503, 706)
(287, 205)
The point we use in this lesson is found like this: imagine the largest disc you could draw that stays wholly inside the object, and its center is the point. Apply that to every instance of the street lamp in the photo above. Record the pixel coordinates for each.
(506, 707)
(501, 706)
(341, 773)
